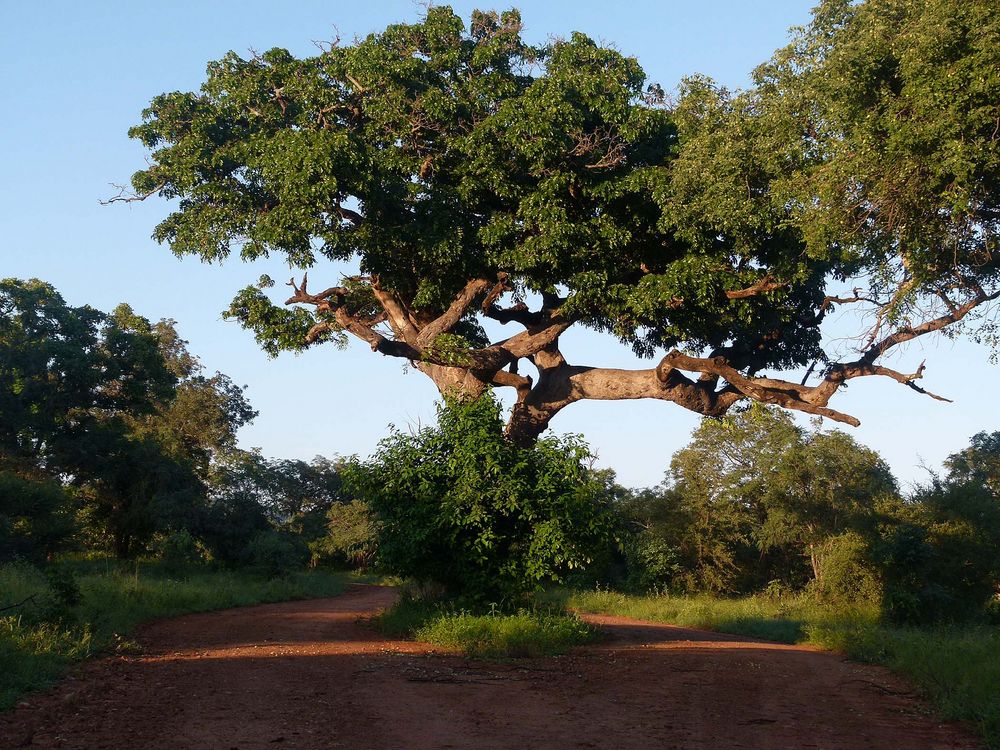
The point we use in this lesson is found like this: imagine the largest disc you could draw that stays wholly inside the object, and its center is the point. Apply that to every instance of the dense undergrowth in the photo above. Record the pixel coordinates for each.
(541, 631)
(50, 620)
(957, 666)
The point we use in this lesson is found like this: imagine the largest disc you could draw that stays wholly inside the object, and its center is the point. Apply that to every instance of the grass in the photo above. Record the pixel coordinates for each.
(43, 632)
(526, 633)
(957, 666)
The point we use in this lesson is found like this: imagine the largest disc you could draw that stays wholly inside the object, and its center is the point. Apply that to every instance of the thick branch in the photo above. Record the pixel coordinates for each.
(451, 316)
(399, 317)
(766, 284)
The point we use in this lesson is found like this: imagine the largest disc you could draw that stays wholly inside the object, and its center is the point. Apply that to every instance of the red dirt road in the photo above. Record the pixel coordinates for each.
(314, 674)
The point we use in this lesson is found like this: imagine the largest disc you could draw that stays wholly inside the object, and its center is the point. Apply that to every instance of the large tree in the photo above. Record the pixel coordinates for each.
(471, 177)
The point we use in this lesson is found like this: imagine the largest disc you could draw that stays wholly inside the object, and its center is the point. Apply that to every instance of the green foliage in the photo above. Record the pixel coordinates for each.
(941, 559)
(435, 153)
(459, 505)
(979, 463)
(652, 561)
(526, 633)
(352, 535)
(449, 349)
(35, 518)
(753, 500)
(277, 554)
(67, 373)
(113, 404)
(42, 637)
(179, 551)
(849, 574)
(824, 486)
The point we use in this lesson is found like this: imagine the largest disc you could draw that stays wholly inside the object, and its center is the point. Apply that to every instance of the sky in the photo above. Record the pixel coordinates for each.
(76, 76)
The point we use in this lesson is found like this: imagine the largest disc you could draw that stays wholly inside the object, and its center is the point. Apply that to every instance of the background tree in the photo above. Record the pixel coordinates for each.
(941, 553)
(755, 500)
(35, 518)
(64, 372)
(478, 181)
(352, 535)
(825, 486)
(978, 463)
(721, 480)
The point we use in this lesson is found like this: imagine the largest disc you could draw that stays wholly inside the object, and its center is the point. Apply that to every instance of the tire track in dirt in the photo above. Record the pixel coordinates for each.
(315, 674)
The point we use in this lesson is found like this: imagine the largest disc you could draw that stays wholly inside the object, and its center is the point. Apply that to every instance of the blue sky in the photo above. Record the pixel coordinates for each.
(76, 75)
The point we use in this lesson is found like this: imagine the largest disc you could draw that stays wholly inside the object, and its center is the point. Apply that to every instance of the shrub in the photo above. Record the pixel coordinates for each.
(277, 553)
(352, 535)
(461, 505)
(179, 551)
(653, 562)
(847, 574)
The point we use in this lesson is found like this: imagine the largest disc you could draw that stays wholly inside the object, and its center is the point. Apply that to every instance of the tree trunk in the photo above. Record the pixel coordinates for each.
(526, 424)
(454, 381)
(814, 561)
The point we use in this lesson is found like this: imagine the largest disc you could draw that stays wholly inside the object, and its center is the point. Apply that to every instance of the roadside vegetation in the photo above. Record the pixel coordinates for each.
(50, 619)
(529, 632)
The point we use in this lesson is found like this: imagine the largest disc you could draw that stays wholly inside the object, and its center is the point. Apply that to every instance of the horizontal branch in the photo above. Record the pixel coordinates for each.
(124, 196)
(767, 284)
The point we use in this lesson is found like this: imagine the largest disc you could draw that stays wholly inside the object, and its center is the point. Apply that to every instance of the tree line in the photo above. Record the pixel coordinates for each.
(114, 440)
(756, 503)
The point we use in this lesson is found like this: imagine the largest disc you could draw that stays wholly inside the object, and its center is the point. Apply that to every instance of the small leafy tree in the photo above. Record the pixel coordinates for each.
(459, 505)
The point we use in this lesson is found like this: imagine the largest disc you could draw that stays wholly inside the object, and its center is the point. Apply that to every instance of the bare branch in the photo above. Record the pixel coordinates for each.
(124, 196)
(321, 300)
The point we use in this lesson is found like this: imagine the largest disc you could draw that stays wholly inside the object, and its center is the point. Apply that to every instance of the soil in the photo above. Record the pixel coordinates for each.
(316, 674)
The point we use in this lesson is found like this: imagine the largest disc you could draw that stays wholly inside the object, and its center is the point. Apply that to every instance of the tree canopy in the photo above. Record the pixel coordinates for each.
(475, 179)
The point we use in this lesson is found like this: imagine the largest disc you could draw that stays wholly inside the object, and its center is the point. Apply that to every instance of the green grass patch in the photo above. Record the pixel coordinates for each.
(47, 630)
(526, 633)
(957, 667)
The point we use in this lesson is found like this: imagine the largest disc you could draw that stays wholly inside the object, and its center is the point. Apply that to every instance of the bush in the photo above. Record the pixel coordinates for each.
(653, 562)
(524, 633)
(941, 558)
(277, 553)
(179, 551)
(33, 518)
(231, 521)
(847, 574)
(460, 505)
(352, 536)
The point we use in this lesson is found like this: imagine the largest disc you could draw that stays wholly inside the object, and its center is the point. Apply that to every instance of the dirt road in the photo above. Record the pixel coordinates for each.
(314, 674)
